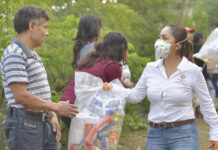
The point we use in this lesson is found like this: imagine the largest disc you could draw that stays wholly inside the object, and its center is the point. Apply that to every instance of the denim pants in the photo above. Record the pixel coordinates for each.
(29, 133)
(184, 137)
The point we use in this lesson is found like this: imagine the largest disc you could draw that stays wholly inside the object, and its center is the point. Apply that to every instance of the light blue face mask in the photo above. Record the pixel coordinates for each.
(162, 48)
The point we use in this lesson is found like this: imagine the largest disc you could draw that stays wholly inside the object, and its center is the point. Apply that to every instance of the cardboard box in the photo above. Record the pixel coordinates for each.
(212, 67)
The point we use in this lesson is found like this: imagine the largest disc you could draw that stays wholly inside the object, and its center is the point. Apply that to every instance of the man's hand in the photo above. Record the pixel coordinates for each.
(55, 126)
(66, 109)
(213, 145)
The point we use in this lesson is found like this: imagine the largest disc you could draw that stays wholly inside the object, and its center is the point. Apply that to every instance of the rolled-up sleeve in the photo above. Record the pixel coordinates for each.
(206, 105)
(138, 93)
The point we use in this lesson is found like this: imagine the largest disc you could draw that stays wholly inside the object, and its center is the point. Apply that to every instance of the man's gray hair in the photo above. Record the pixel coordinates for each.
(26, 14)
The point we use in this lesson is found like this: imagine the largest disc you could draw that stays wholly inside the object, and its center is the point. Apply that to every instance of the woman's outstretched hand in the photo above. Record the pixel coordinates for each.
(213, 145)
(126, 85)
(107, 86)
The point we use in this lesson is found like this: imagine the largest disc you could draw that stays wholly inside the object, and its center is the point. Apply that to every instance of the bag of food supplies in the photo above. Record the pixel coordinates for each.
(99, 122)
(209, 51)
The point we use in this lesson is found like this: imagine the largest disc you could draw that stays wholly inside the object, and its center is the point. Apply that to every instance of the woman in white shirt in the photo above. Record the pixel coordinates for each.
(169, 84)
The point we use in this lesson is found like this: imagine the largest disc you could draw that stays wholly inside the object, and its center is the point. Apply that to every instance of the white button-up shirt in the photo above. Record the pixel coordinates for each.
(171, 98)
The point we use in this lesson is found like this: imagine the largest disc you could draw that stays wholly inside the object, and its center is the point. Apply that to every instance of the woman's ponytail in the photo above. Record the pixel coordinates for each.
(187, 50)
(180, 35)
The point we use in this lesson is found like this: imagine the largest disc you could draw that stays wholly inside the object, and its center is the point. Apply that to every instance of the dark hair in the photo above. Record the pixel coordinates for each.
(26, 14)
(88, 31)
(197, 36)
(180, 34)
(113, 47)
(216, 24)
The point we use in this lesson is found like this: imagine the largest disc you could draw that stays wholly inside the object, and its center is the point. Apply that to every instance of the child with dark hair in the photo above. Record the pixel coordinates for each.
(89, 31)
(103, 62)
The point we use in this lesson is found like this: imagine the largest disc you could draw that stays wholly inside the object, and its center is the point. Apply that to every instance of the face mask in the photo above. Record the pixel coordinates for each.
(162, 49)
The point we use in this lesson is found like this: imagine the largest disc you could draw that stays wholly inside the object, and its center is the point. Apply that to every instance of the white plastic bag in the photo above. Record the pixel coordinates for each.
(126, 74)
(209, 51)
(99, 122)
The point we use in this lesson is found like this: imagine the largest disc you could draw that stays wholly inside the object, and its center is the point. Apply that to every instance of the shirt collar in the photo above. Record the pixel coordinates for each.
(158, 62)
(23, 47)
(183, 64)
(181, 67)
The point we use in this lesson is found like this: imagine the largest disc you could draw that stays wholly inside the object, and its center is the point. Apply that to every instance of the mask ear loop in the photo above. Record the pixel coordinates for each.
(182, 41)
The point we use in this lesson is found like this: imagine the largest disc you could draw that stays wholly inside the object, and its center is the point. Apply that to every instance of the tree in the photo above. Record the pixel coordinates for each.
(115, 17)
(182, 13)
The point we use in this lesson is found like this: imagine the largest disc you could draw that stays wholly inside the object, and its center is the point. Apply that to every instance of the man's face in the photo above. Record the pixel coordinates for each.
(39, 33)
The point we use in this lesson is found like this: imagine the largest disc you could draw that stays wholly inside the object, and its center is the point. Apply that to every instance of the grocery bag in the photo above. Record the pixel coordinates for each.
(99, 122)
(209, 51)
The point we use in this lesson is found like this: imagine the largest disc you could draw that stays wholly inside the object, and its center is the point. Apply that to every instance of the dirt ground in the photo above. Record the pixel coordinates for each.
(136, 140)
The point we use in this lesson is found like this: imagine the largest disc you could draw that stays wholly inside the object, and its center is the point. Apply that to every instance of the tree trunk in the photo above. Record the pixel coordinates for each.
(182, 12)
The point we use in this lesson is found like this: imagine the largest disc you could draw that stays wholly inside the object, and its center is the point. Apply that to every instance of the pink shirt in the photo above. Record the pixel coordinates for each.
(107, 71)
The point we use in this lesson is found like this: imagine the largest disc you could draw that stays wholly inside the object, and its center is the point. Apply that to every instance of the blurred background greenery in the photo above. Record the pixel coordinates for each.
(140, 20)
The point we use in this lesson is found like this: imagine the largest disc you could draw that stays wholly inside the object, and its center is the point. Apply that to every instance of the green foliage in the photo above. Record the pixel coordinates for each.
(65, 135)
(157, 14)
(55, 96)
(134, 122)
(57, 52)
(131, 48)
(115, 17)
(3, 110)
(140, 20)
(210, 7)
(137, 65)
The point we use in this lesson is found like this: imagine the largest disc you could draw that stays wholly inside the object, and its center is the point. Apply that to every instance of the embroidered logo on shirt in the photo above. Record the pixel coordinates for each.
(182, 76)
(181, 80)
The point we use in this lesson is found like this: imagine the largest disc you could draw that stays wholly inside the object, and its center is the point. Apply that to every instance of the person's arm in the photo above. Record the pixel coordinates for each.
(113, 71)
(126, 76)
(206, 105)
(24, 97)
(126, 84)
(15, 72)
(55, 126)
(136, 94)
